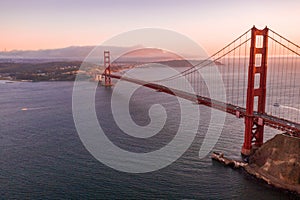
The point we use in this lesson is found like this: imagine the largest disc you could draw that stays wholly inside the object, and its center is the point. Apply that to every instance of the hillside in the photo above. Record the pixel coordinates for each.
(278, 162)
(39, 71)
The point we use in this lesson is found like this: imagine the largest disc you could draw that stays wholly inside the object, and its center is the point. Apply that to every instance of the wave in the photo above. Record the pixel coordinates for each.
(37, 108)
(291, 108)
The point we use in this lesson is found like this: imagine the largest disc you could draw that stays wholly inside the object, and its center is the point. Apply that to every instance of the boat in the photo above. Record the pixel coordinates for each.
(276, 104)
(26, 80)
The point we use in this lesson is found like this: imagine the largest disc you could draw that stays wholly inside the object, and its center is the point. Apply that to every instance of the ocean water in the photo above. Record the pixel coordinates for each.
(42, 156)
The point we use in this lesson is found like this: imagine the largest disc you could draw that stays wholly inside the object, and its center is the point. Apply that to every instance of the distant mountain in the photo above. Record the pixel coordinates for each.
(134, 54)
(77, 53)
(145, 55)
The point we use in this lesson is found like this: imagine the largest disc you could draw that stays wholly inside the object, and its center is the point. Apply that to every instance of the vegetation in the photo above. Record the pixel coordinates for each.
(50, 71)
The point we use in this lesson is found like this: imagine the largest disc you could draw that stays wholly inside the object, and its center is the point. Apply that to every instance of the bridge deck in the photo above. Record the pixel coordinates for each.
(271, 121)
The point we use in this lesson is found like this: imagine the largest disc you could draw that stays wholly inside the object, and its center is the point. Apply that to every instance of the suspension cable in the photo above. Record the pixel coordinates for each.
(209, 58)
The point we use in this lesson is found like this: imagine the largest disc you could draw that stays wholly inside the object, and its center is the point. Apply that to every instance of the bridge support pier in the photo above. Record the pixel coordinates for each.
(107, 71)
(256, 93)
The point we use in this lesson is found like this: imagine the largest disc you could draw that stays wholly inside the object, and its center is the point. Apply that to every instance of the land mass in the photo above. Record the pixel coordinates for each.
(278, 162)
(65, 63)
(49, 71)
(45, 70)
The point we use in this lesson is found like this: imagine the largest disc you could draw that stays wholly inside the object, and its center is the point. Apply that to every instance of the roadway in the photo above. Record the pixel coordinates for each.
(290, 127)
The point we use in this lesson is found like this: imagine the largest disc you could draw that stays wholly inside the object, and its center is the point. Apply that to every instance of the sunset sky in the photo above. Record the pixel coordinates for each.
(46, 24)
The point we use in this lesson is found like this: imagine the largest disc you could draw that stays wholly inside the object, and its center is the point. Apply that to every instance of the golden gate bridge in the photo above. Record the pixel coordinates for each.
(260, 70)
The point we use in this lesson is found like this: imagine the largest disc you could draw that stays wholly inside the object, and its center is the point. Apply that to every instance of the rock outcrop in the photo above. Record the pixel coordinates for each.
(278, 162)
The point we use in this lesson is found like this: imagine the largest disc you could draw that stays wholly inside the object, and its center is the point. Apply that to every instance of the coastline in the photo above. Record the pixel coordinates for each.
(276, 162)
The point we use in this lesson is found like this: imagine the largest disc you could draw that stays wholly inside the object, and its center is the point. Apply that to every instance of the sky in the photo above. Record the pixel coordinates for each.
(47, 24)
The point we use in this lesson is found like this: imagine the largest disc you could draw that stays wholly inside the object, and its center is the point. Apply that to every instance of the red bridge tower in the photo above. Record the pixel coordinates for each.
(107, 70)
(256, 93)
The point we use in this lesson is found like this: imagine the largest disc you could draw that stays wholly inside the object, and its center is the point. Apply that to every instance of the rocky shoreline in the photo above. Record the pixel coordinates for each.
(277, 162)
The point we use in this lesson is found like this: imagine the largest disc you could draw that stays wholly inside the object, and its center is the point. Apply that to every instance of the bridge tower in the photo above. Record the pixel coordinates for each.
(256, 93)
(107, 71)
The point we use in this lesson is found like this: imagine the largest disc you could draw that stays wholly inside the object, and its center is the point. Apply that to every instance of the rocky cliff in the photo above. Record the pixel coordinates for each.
(278, 162)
